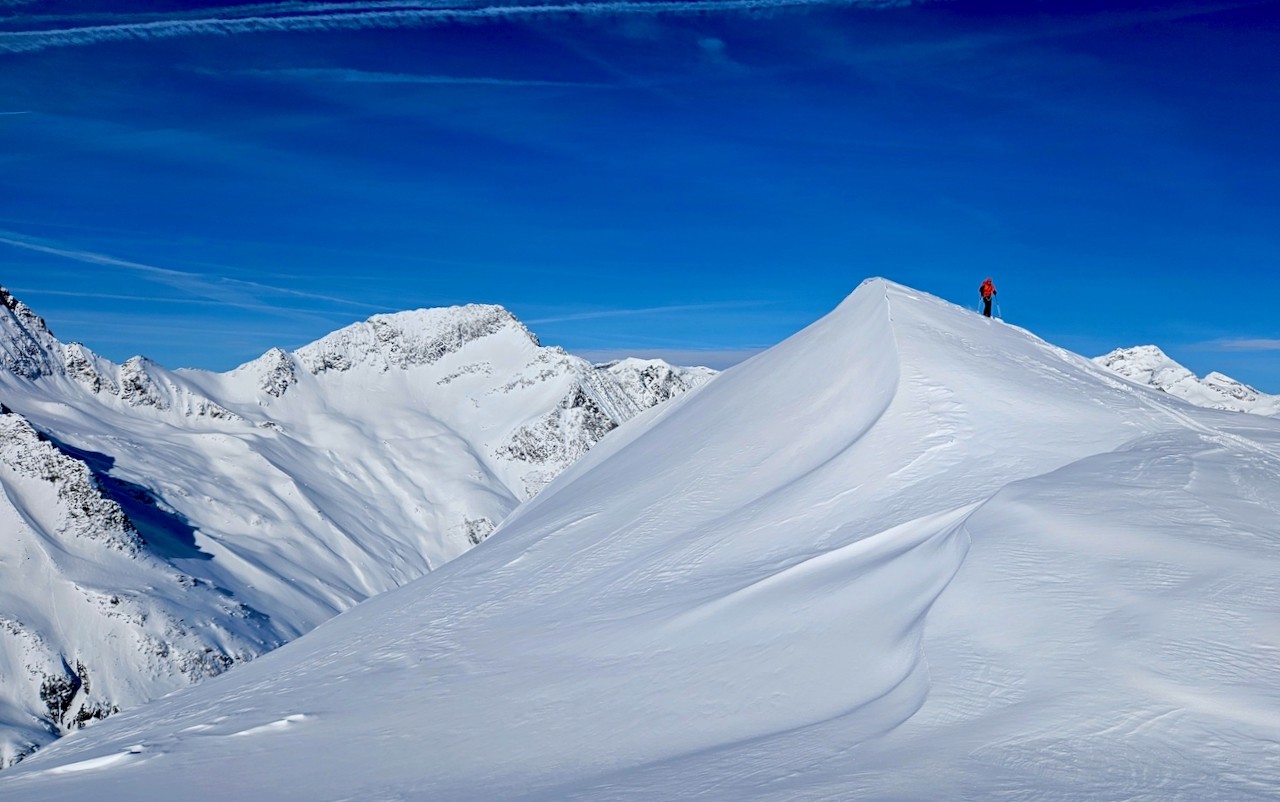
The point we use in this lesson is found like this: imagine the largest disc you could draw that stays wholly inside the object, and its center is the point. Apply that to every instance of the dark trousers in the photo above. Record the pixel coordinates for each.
(986, 306)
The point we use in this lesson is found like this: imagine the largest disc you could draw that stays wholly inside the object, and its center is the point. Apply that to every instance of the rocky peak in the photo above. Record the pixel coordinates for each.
(1236, 389)
(136, 385)
(277, 372)
(25, 340)
(1147, 364)
(81, 364)
(23, 312)
(408, 339)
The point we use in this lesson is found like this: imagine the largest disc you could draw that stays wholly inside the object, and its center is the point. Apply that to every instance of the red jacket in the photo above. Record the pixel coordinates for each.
(987, 289)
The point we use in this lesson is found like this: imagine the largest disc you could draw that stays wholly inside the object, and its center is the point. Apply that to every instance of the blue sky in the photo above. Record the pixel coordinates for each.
(199, 183)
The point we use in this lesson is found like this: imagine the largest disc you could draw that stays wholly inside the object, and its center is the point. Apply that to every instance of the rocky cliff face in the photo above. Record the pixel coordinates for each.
(79, 511)
(600, 399)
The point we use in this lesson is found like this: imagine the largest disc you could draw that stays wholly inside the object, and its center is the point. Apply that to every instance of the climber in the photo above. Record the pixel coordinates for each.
(988, 292)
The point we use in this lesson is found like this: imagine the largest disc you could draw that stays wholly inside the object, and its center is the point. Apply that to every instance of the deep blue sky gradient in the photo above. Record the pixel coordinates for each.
(635, 182)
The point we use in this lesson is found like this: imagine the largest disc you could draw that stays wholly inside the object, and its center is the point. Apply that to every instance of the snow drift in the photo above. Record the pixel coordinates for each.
(762, 592)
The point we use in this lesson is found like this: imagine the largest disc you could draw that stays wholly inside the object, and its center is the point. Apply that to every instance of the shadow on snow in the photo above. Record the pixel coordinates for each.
(166, 533)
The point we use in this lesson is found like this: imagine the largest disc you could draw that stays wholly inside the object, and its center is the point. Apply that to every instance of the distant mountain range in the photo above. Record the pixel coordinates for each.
(159, 526)
(1148, 365)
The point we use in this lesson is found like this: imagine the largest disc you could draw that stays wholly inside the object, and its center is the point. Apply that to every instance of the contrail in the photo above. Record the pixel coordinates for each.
(366, 77)
(380, 17)
(234, 292)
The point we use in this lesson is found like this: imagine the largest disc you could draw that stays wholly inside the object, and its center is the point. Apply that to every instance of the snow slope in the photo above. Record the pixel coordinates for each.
(909, 553)
(89, 620)
(1148, 365)
(277, 494)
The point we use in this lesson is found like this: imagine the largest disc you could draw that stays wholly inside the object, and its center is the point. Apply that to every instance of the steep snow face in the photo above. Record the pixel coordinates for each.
(1148, 365)
(292, 487)
(90, 620)
(906, 532)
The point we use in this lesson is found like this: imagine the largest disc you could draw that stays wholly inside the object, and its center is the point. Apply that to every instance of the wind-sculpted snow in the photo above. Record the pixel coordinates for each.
(761, 591)
(276, 495)
(1148, 365)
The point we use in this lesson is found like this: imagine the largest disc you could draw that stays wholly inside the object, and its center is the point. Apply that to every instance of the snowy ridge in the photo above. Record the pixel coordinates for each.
(28, 350)
(25, 340)
(408, 339)
(1148, 365)
(909, 553)
(286, 490)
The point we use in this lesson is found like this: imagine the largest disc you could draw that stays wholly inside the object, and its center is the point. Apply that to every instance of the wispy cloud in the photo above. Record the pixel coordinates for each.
(11, 113)
(1041, 30)
(1240, 344)
(113, 296)
(250, 295)
(321, 17)
(235, 11)
(648, 310)
(367, 77)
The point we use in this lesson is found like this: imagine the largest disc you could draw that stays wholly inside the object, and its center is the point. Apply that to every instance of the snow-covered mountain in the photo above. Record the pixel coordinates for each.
(162, 525)
(1148, 365)
(908, 554)
(91, 619)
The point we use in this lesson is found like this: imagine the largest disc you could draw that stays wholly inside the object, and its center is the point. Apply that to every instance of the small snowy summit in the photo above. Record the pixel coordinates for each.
(907, 554)
(158, 527)
(1147, 364)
